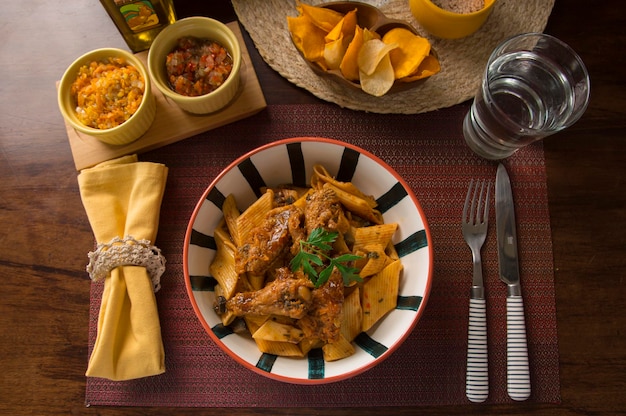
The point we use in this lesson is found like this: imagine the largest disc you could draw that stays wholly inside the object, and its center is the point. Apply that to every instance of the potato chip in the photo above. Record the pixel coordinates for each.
(411, 51)
(308, 38)
(334, 52)
(323, 18)
(371, 53)
(381, 79)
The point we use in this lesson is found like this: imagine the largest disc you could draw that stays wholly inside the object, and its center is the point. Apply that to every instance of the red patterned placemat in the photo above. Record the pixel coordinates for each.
(429, 368)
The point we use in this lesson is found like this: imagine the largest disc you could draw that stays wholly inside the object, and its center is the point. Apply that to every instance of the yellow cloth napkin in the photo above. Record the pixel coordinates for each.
(123, 198)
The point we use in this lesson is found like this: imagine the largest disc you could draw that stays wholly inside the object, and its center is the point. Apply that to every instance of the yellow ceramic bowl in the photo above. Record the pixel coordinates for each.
(204, 28)
(126, 132)
(446, 24)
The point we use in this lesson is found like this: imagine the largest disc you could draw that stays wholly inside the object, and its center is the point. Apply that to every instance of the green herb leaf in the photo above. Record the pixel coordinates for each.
(349, 274)
(313, 252)
(323, 277)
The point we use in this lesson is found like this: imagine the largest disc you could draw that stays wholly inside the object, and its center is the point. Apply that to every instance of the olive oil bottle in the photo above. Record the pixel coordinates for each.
(140, 21)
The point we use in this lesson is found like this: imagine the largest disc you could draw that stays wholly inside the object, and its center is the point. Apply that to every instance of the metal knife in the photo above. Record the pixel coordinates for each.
(518, 375)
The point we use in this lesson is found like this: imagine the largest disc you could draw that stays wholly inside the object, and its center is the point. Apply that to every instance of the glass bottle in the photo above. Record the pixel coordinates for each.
(140, 21)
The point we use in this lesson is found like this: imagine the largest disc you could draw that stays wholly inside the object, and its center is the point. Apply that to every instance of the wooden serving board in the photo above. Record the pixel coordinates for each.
(171, 124)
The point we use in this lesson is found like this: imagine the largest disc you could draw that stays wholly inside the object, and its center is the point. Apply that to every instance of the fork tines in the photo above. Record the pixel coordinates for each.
(479, 202)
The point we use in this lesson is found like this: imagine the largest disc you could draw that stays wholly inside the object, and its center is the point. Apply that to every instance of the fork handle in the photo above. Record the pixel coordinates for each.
(477, 376)
(518, 374)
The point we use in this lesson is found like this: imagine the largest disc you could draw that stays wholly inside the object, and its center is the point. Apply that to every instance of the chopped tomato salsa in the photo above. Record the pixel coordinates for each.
(197, 66)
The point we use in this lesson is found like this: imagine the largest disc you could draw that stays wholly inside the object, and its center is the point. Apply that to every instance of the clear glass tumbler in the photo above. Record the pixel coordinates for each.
(534, 85)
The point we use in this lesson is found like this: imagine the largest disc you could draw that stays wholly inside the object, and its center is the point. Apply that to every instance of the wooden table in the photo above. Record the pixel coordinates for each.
(44, 229)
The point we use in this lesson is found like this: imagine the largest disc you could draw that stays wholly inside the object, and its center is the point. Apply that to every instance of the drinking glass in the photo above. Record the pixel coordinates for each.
(534, 85)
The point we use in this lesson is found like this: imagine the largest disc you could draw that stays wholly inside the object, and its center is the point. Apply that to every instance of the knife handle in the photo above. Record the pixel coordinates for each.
(477, 376)
(518, 375)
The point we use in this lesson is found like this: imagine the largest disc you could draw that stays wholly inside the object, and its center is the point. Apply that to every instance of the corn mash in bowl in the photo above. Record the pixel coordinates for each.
(308, 260)
(106, 94)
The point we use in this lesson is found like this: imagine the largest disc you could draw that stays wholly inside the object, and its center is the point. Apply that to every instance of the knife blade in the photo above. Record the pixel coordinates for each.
(518, 375)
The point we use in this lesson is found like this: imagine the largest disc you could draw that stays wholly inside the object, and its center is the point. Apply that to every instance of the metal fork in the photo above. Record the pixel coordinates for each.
(474, 226)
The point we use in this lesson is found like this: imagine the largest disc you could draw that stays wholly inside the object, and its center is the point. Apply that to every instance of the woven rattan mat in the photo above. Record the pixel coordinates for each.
(429, 368)
(462, 60)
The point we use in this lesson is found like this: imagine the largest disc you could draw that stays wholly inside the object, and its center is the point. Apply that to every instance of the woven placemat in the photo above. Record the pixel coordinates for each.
(429, 368)
(462, 60)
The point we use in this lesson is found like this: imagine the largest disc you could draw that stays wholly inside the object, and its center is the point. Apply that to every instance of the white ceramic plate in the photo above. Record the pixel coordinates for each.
(292, 161)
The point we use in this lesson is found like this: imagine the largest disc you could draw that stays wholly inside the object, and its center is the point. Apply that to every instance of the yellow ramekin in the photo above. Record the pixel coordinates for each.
(128, 131)
(203, 28)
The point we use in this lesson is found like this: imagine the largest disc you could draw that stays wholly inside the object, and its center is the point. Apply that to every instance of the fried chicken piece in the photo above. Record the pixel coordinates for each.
(288, 295)
(269, 241)
(324, 210)
(323, 320)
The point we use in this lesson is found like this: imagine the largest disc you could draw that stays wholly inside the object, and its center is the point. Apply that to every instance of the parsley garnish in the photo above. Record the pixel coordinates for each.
(313, 253)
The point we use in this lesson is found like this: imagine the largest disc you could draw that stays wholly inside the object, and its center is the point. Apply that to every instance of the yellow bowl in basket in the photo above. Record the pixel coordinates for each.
(447, 24)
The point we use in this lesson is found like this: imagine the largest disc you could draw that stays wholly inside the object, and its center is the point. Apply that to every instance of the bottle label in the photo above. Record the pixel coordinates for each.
(139, 15)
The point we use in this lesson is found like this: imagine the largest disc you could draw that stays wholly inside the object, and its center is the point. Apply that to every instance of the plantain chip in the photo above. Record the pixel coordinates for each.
(345, 27)
(323, 18)
(308, 38)
(411, 51)
(349, 64)
(429, 66)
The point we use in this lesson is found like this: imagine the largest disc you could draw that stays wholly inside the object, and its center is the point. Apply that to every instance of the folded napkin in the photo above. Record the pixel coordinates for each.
(122, 199)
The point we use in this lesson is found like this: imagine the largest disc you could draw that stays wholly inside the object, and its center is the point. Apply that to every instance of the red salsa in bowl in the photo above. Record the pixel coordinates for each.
(197, 66)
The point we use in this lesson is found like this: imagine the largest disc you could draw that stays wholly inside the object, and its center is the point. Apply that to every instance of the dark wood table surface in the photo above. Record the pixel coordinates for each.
(44, 230)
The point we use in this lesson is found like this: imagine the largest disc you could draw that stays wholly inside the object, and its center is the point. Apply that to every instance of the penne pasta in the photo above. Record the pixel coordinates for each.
(301, 202)
(284, 349)
(257, 281)
(275, 331)
(352, 315)
(222, 234)
(357, 205)
(380, 294)
(307, 344)
(254, 322)
(321, 177)
(375, 234)
(254, 216)
(338, 349)
(391, 251)
(231, 213)
(223, 266)
(377, 259)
